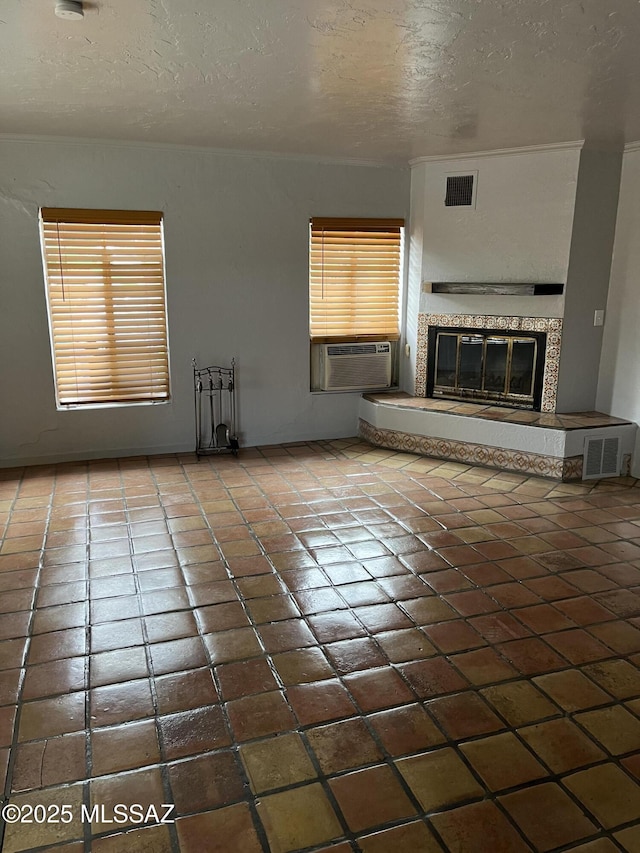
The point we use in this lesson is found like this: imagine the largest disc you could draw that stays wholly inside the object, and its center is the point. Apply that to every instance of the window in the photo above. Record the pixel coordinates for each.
(104, 276)
(354, 279)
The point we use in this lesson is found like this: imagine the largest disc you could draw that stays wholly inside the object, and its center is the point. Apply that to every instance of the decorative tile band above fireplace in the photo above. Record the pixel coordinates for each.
(552, 327)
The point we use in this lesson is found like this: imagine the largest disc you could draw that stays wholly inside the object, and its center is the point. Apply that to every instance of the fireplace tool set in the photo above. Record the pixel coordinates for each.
(214, 391)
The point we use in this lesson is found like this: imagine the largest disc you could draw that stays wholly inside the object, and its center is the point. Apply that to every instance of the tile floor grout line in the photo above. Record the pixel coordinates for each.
(235, 747)
(86, 786)
(151, 678)
(15, 743)
(13, 748)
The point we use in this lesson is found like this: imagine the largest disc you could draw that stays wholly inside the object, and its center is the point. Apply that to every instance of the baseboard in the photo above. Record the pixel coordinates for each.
(92, 455)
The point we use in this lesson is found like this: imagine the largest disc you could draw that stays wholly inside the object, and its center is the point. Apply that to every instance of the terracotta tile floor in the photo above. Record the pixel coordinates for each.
(318, 647)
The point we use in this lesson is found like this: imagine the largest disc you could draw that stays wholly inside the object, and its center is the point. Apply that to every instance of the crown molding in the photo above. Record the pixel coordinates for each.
(577, 145)
(29, 139)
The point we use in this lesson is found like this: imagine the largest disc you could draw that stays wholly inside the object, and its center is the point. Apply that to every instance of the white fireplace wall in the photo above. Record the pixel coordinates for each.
(507, 306)
(619, 378)
(519, 231)
(520, 227)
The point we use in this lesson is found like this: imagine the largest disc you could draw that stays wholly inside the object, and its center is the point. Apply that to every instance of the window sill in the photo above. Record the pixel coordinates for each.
(82, 407)
(354, 339)
(318, 392)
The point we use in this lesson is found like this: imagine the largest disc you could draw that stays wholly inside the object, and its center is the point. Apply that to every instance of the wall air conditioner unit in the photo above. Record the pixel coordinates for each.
(355, 367)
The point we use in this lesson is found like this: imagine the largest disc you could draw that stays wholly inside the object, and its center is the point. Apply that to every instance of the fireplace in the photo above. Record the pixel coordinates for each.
(496, 366)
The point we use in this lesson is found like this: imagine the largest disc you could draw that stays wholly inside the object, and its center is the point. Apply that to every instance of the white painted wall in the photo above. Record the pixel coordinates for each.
(414, 235)
(511, 306)
(519, 230)
(236, 234)
(594, 225)
(619, 376)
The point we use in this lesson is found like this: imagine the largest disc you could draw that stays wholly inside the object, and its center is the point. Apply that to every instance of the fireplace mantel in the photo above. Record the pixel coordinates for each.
(487, 288)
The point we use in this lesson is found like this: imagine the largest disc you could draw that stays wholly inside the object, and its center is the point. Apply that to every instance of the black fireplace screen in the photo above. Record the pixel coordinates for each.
(492, 366)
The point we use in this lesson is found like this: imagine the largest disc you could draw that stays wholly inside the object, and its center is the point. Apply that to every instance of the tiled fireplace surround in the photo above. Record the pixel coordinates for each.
(560, 457)
(551, 326)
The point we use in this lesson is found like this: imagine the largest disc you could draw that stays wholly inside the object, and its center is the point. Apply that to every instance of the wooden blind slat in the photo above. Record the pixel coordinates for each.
(106, 298)
(74, 216)
(332, 223)
(354, 278)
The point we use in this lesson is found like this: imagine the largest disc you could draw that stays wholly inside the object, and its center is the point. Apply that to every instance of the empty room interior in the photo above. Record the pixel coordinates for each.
(319, 406)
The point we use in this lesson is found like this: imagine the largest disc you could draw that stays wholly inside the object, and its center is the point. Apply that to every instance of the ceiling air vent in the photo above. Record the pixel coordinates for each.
(459, 191)
(601, 458)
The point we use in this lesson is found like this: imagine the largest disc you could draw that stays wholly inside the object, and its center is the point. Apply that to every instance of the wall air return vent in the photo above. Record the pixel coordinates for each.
(601, 458)
(460, 191)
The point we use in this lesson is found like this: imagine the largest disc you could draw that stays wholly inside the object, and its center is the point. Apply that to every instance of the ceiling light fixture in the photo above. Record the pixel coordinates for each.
(69, 10)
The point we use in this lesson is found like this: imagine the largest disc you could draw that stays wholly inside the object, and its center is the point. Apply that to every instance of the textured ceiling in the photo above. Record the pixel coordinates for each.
(374, 79)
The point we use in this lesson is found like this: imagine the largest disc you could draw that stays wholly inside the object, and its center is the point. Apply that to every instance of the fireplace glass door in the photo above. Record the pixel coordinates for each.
(494, 367)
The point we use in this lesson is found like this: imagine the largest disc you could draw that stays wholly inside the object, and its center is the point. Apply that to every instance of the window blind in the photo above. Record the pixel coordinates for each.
(104, 273)
(354, 279)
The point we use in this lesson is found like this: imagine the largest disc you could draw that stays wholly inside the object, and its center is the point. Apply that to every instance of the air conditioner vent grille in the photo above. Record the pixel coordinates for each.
(351, 349)
(601, 458)
(459, 191)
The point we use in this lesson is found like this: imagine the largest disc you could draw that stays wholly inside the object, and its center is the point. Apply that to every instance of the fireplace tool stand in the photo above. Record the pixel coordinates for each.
(214, 390)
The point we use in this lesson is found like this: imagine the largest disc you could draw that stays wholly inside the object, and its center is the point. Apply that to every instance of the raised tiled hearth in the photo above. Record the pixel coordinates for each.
(578, 420)
(540, 443)
(320, 647)
(543, 443)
